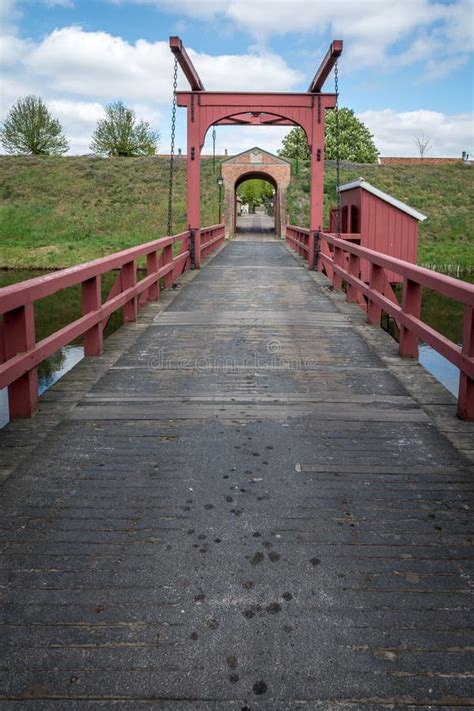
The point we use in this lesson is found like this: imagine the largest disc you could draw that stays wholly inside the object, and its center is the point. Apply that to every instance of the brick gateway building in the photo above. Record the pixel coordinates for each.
(255, 163)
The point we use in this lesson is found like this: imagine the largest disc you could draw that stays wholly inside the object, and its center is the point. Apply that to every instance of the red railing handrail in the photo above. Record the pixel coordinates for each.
(31, 290)
(342, 259)
(442, 283)
(19, 350)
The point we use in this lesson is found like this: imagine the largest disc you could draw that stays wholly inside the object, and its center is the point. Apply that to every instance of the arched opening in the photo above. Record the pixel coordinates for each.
(256, 204)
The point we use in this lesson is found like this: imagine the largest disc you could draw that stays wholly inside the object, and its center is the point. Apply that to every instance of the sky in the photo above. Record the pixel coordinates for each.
(406, 69)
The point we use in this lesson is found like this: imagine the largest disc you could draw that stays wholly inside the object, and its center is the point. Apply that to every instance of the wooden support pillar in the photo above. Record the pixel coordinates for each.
(129, 279)
(316, 140)
(152, 268)
(338, 260)
(466, 384)
(168, 259)
(411, 304)
(354, 270)
(311, 252)
(91, 299)
(374, 312)
(19, 335)
(194, 177)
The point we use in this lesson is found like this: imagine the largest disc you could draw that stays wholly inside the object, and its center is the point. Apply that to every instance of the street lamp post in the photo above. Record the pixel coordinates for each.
(220, 183)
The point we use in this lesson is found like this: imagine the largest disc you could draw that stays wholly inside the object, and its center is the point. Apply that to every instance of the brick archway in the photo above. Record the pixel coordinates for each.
(255, 163)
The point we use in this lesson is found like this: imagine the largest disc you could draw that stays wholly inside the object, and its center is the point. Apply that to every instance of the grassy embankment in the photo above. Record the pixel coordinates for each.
(55, 212)
(444, 193)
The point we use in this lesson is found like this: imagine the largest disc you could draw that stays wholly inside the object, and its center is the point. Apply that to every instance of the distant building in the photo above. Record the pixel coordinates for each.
(416, 160)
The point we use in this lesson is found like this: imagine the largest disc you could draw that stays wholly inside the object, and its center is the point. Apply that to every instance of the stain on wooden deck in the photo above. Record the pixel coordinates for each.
(246, 503)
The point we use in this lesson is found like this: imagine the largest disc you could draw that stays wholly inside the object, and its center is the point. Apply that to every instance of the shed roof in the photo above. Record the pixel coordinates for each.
(361, 183)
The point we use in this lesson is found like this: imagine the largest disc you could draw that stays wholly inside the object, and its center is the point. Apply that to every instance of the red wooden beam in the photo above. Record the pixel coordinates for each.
(185, 63)
(334, 51)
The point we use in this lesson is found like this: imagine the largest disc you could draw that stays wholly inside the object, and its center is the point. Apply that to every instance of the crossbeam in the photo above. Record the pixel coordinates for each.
(186, 65)
(334, 51)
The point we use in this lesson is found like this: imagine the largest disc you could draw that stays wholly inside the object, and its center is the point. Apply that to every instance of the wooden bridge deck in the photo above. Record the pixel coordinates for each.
(244, 504)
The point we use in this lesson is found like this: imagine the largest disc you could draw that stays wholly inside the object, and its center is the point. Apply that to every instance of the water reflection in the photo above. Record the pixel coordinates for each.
(444, 371)
(58, 365)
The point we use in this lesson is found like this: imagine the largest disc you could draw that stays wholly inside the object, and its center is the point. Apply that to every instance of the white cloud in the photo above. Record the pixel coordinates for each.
(73, 70)
(372, 28)
(98, 64)
(240, 138)
(394, 132)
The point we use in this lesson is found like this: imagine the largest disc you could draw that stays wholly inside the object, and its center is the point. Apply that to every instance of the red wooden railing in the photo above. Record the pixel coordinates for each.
(341, 260)
(20, 354)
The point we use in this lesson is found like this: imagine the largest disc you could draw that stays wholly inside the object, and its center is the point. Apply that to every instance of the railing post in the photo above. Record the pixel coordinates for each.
(129, 279)
(354, 270)
(19, 335)
(91, 299)
(197, 249)
(311, 250)
(374, 311)
(338, 257)
(152, 268)
(466, 384)
(411, 304)
(168, 259)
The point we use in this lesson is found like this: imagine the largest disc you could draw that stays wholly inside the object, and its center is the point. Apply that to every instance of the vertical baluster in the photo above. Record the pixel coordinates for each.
(466, 383)
(129, 279)
(19, 335)
(152, 268)
(411, 304)
(376, 279)
(354, 270)
(167, 260)
(91, 300)
(338, 258)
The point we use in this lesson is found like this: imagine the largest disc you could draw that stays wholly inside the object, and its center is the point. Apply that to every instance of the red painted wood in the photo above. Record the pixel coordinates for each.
(383, 228)
(152, 268)
(334, 51)
(185, 63)
(376, 281)
(380, 296)
(91, 301)
(129, 279)
(466, 382)
(354, 270)
(19, 335)
(411, 304)
(21, 354)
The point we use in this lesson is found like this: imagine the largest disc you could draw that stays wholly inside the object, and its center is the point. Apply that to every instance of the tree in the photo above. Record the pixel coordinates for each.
(255, 192)
(355, 140)
(295, 145)
(423, 143)
(30, 129)
(119, 134)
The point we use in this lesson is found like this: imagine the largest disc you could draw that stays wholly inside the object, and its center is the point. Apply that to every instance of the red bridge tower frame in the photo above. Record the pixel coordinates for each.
(208, 108)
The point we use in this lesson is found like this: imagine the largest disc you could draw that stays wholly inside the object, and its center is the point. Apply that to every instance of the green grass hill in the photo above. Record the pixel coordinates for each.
(58, 211)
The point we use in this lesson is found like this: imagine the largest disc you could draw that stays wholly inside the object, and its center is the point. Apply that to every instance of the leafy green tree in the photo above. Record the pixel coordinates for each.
(295, 145)
(30, 129)
(255, 192)
(119, 134)
(355, 140)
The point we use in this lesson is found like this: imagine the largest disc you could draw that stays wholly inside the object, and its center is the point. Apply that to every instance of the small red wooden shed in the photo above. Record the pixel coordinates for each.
(384, 223)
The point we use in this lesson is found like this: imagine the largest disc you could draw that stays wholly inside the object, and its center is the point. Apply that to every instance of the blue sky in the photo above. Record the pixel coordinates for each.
(406, 69)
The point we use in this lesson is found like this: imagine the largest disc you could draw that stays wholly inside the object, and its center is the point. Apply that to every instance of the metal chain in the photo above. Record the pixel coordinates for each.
(214, 150)
(338, 167)
(173, 134)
